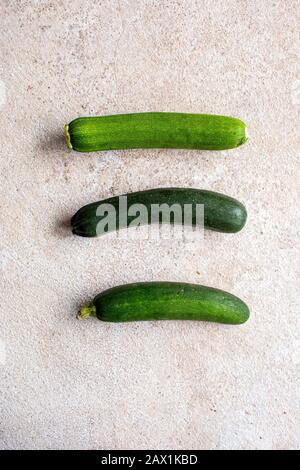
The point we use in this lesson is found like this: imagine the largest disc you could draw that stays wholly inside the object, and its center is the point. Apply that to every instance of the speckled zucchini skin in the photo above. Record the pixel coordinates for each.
(155, 130)
(166, 301)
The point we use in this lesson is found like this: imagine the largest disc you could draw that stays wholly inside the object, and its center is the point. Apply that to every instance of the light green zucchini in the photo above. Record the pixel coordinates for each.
(155, 130)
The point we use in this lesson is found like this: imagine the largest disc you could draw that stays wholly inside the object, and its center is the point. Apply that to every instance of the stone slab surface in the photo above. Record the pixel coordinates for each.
(68, 384)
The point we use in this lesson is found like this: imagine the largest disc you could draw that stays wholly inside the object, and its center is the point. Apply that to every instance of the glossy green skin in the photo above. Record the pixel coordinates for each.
(169, 301)
(156, 130)
(221, 213)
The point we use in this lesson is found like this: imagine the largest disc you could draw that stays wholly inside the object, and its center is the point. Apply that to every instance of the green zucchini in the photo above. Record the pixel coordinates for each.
(221, 213)
(155, 130)
(166, 301)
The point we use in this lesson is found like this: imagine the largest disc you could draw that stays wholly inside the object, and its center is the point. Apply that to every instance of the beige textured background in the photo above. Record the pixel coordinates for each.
(69, 384)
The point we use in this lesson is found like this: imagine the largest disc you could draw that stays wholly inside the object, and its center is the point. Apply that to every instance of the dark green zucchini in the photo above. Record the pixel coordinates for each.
(155, 130)
(166, 301)
(221, 213)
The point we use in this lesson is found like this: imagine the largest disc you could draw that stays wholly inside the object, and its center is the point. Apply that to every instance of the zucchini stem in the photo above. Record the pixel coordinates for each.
(86, 311)
(68, 138)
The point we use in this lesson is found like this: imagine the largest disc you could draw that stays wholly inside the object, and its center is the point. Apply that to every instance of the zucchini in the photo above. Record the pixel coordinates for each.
(166, 301)
(155, 130)
(221, 213)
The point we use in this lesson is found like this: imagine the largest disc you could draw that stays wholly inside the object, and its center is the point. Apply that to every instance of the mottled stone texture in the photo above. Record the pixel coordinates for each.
(70, 384)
